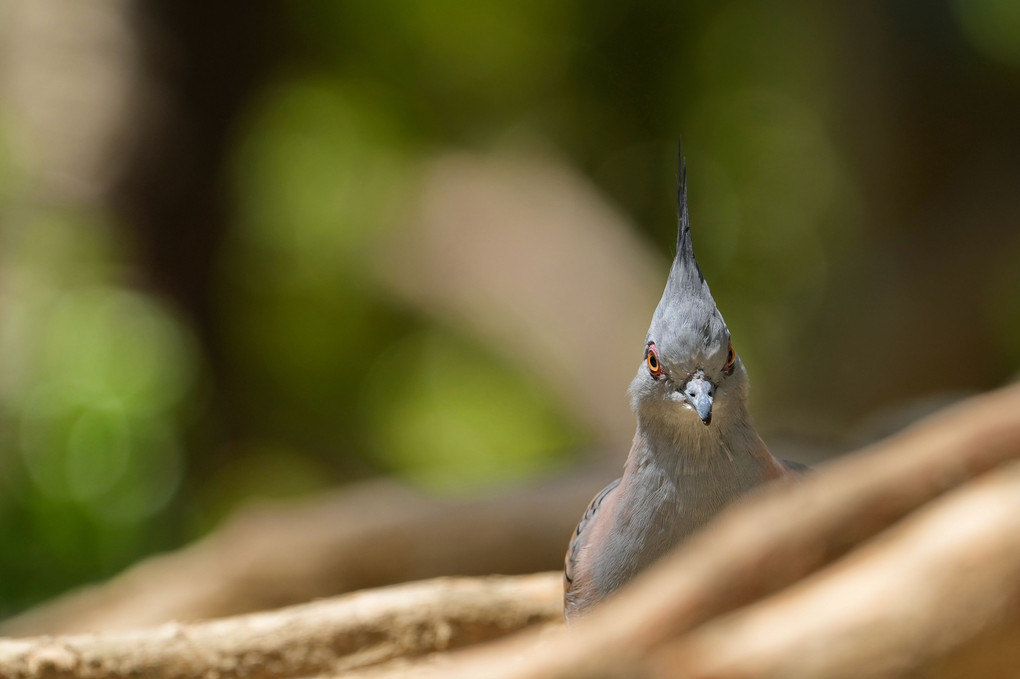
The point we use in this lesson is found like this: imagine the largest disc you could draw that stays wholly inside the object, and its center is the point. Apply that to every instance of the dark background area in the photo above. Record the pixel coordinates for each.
(189, 318)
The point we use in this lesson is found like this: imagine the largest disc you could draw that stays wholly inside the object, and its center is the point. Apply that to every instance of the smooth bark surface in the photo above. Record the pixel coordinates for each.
(926, 598)
(341, 634)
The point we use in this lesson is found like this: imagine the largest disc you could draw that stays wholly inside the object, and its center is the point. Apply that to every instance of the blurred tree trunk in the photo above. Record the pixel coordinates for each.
(199, 69)
(202, 68)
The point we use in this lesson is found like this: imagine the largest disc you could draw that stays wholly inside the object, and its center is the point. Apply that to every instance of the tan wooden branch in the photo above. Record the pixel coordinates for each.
(766, 544)
(937, 594)
(336, 635)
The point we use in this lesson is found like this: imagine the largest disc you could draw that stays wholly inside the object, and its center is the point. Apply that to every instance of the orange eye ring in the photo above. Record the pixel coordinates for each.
(653, 362)
(731, 360)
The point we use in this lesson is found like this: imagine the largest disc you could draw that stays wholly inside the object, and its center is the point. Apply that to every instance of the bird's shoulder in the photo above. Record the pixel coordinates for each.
(578, 539)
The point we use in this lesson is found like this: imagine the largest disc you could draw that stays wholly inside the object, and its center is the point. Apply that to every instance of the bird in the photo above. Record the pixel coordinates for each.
(695, 448)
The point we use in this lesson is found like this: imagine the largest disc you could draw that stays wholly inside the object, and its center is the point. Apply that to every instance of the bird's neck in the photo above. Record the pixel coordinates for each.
(728, 451)
(679, 475)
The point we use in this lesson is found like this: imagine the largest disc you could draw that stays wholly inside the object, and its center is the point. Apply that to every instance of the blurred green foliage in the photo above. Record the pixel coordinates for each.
(106, 448)
(459, 417)
(93, 389)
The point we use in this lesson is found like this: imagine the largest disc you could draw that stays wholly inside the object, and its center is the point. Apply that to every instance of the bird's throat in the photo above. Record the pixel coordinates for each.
(723, 455)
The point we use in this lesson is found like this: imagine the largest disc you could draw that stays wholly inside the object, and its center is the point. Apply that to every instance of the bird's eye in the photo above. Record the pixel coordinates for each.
(731, 359)
(652, 359)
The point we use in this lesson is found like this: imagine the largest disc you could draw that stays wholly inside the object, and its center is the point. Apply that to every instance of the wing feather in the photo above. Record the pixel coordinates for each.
(579, 537)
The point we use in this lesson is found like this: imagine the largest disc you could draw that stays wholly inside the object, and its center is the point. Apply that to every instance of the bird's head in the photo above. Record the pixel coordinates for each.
(689, 369)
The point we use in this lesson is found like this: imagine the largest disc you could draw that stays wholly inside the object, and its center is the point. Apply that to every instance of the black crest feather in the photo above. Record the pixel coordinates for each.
(683, 218)
(684, 248)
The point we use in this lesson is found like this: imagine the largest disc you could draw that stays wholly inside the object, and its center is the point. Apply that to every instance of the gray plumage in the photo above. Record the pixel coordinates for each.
(695, 448)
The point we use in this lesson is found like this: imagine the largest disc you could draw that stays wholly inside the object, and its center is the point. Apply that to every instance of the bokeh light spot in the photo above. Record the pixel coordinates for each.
(456, 418)
(98, 448)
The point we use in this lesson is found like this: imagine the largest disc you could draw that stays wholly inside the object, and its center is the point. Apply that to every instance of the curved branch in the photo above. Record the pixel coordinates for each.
(938, 593)
(352, 631)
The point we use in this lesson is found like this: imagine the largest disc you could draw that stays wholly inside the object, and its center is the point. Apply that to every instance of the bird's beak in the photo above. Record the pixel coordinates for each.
(700, 394)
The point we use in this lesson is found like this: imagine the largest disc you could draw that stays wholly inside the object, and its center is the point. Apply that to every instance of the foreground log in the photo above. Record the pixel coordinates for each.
(338, 635)
(939, 595)
(766, 544)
